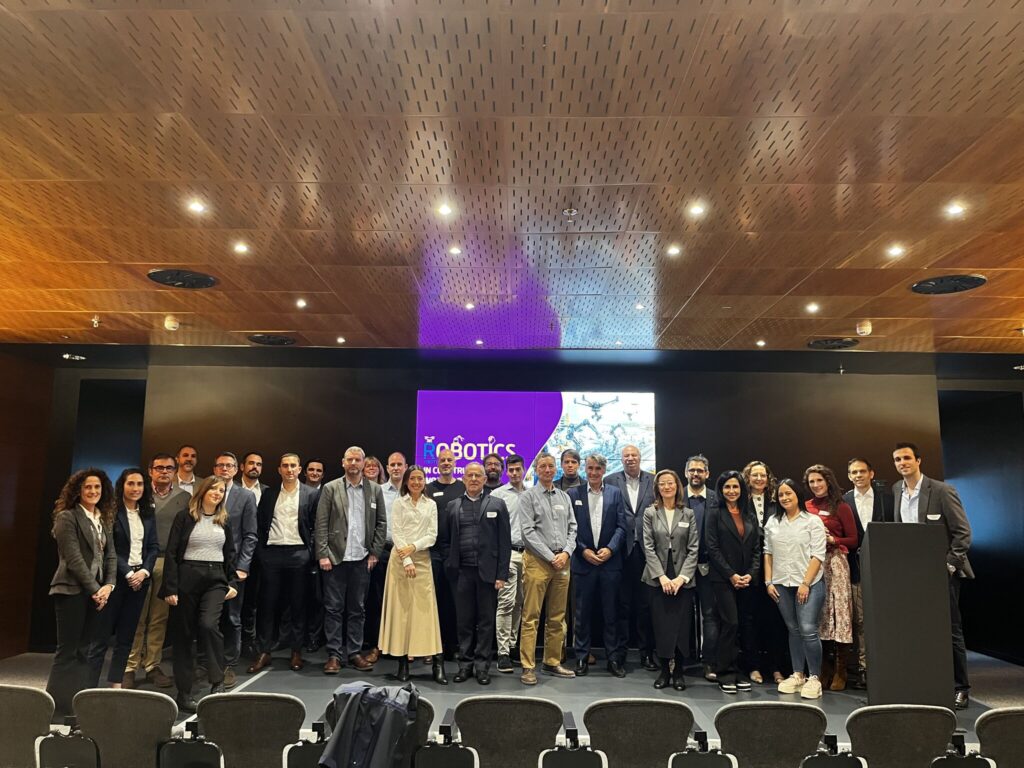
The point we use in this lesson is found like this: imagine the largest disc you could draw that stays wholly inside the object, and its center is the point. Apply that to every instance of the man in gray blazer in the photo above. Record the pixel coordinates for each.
(351, 524)
(919, 499)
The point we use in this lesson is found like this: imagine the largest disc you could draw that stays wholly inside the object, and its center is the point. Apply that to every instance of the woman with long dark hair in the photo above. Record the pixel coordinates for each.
(794, 542)
(199, 575)
(84, 580)
(670, 543)
(136, 544)
(836, 627)
(733, 538)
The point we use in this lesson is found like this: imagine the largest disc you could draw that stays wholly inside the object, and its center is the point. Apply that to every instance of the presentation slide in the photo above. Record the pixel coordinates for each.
(473, 424)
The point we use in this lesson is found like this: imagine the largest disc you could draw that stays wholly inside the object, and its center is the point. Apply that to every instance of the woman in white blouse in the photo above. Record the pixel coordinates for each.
(409, 625)
(794, 549)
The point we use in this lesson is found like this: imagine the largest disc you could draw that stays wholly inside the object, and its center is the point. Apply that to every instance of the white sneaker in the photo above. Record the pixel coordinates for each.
(811, 689)
(792, 684)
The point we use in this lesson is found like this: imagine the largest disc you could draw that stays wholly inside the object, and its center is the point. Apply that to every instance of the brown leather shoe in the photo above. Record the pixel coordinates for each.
(262, 661)
(157, 677)
(360, 663)
(333, 666)
(373, 656)
(128, 681)
(297, 663)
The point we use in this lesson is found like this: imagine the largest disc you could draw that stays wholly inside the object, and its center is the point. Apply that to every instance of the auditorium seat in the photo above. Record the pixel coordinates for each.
(128, 726)
(900, 735)
(1001, 733)
(416, 735)
(643, 733)
(252, 729)
(753, 732)
(508, 731)
(25, 715)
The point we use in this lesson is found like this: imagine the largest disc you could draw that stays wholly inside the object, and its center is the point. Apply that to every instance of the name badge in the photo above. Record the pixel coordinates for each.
(439, 493)
(373, 505)
(579, 503)
(934, 517)
(492, 514)
(684, 524)
(825, 513)
(559, 508)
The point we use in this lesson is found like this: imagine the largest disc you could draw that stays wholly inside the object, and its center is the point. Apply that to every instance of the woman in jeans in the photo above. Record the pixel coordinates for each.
(794, 550)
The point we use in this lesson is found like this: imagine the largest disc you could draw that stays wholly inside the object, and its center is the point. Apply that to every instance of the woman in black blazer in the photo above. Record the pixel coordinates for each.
(136, 544)
(733, 538)
(199, 574)
(84, 580)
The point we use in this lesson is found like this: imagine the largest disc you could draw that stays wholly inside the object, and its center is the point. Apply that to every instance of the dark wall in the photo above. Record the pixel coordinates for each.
(25, 390)
(983, 444)
(108, 428)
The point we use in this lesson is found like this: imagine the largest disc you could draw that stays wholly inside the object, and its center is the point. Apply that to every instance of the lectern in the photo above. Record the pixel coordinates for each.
(906, 614)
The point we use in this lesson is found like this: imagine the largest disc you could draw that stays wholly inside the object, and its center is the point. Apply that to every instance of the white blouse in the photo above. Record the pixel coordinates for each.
(414, 524)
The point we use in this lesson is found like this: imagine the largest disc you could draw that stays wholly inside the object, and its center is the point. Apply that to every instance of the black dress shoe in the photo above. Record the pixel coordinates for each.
(647, 662)
(582, 668)
(186, 703)
(616, 669)
(483, 677)
(217, 688)
(437, 669)
(859, 682)
(463, 675)
(961, 700)
(662, 680)
(678, 682)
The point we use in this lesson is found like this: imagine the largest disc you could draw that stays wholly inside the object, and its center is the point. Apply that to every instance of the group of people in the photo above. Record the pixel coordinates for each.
(762, 572)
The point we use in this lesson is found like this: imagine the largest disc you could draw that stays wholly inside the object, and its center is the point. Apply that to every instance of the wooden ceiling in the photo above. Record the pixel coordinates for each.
(325, 134)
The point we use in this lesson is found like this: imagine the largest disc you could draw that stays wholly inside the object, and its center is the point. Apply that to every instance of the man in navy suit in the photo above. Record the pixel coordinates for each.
(704, 503)
(872, 503)
(596, 565)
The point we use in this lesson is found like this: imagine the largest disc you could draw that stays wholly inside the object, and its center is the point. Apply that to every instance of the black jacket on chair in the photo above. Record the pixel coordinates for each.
(727, 552)
(495, 540)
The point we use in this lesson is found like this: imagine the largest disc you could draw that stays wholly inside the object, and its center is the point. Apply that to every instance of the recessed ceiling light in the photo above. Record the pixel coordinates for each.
(75, 358)
(470, 305)
(196, 206)
(444, 209)
(241, 247)
(300, 303)
(639, 305)
(64, 336)
(812, 307)
(455, 250)
(479, 342)
(340, 339)
(895, 250)
(1018, 367)
(697, 209)
(760, 342)
(569, 212)
(674, 250)
(955, 209)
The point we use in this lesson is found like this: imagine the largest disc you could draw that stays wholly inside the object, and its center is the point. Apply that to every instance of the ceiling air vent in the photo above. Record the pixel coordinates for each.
(182, 278)
(937, 286)
(271, 339)
(833, 343)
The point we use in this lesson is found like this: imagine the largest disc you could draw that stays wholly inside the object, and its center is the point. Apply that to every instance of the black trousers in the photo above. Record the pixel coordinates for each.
(375, 598)
(231, 624)
(476, 604)
(445, 604)
(959, 647)
(771, 639)
(313, 622)
(735, 613)
(634, 607)
(120, 618)
(248, 603)
(76, 628)
(284, 570)
(599, 586)
(201, 590)
(708, 619)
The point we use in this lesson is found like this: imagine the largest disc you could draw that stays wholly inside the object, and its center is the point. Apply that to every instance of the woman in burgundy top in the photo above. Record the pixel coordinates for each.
(836, 627)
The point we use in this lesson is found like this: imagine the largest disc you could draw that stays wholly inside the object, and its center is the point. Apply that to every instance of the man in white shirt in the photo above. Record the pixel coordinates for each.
(510, 596)
(392, 490)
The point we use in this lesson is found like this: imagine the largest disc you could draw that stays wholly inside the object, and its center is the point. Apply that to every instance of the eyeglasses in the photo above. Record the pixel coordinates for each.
(223, 465)
(696, 471)
(163, 468)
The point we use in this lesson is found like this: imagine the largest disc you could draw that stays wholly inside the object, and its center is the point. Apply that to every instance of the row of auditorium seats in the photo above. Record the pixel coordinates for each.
(253, 729)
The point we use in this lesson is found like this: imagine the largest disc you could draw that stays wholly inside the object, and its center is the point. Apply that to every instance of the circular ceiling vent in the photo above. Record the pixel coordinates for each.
(182, 278)
(271, 339)
(937, 286)
(833, 343)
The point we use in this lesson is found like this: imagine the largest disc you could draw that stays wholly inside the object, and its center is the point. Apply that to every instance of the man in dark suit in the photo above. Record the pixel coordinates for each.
(351, 524)
(872, 503)
(241, 506)
(919, 499)
(596, 565)
(704, 503)
(637, 489)
(252, 468)
(286, 517)
(475, 540)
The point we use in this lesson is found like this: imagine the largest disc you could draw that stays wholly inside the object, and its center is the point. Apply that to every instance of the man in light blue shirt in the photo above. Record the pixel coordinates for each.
(510, 597)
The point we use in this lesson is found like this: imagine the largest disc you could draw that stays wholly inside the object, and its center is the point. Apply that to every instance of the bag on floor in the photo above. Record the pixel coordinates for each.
(67, 750)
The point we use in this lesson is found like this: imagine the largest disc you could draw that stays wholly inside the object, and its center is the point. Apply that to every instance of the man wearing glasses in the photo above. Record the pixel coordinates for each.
(703, 501)
(147, 649)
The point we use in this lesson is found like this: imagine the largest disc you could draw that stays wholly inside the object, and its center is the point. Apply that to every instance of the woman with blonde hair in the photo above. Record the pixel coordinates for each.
(199, 574)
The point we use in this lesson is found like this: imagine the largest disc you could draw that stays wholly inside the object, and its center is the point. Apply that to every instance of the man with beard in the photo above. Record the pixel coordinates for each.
(185, 478)
(492, 469)
(704, 503)
(443, 491)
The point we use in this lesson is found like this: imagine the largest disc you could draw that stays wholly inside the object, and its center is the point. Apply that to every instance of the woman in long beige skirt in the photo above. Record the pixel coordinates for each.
(409, 626)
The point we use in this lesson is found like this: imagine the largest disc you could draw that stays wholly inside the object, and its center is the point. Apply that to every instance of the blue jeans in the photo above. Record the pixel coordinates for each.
(802, 623)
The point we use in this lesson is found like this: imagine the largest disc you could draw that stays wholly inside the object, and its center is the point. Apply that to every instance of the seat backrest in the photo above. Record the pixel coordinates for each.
(900, 735)
(481, 721)
(416, 735)
(128, 726)
(251, 728)
(25, 715)
(1001, 733)
(642, 733)
(702, 760)
(770, 734)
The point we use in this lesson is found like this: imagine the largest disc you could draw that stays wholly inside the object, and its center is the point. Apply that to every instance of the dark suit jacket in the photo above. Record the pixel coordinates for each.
(76, 555)
(123, 541)
(881, 512)
(242, 518)
(939, 504)
(634, 517)
(177, 543)
(332, 520)
(727, 552)
(495, 539)
(613, 528)
(307, 514)
(710, 506)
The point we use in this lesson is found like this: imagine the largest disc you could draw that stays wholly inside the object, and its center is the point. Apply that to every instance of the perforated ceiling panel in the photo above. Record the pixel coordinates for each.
(729, 172)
